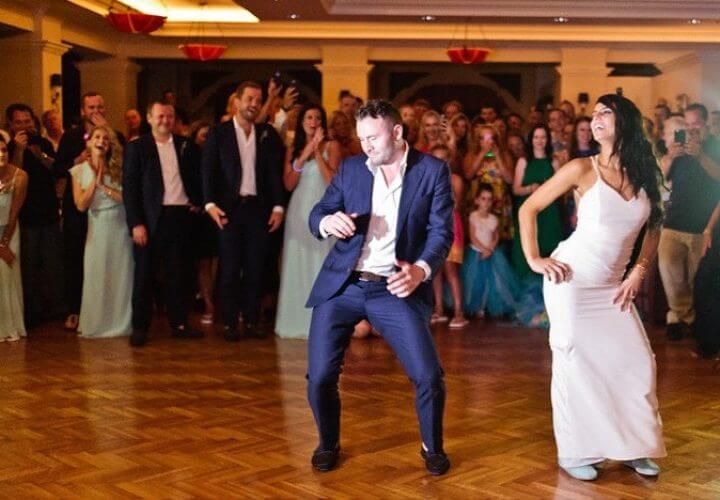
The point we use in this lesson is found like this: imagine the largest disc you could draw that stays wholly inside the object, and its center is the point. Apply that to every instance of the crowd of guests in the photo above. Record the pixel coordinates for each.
(93, 219)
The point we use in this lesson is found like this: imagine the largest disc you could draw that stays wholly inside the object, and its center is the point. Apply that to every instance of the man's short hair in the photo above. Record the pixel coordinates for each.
(18, 106)
(152, 104)
(343, 94)
(696, 106)
(88, 95)
(379, 108)
(247, 84)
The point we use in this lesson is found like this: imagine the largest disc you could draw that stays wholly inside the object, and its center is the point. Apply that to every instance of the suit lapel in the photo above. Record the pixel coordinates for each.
(235, 153)
(411, 184)
(155, 164)
(258, 140)
(364, 188)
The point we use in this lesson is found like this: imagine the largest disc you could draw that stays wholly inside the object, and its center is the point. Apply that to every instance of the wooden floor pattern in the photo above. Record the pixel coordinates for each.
(207, 419)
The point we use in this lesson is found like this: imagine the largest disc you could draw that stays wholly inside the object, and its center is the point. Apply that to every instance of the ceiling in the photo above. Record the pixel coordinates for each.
(582, 12)
(487, 11)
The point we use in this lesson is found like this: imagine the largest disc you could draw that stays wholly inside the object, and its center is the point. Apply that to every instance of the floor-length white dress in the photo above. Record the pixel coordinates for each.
(603, 368)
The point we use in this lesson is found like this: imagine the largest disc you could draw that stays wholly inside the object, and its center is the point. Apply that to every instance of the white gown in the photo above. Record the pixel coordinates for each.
(603, 368)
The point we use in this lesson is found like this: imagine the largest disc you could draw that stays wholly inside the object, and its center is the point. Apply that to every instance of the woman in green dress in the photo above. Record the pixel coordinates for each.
(310, 164)
(13, 188)
(107, 283)
(533, 170)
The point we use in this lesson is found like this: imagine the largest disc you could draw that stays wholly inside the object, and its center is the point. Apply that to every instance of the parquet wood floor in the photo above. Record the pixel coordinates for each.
(207, 419)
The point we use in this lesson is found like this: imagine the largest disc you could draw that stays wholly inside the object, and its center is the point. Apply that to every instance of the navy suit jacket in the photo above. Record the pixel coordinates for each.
(424, 226)
(143, 187)
(222, 169)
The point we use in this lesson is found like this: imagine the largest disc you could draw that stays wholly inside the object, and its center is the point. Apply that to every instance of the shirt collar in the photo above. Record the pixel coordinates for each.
(403, 162)
(166, 143)
(239, 130)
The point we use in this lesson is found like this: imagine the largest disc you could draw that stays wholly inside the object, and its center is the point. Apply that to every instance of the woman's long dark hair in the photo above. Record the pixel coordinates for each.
(530, 150)
(635, 152)
(300, 137)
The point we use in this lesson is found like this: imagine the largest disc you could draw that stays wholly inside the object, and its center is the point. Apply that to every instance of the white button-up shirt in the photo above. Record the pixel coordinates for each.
(174, 190)
(248, 153)
(378, 252)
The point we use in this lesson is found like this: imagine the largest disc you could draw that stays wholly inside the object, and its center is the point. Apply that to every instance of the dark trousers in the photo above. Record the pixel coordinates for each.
(707, 301)
(169, 248)
(403, 323)
(243, 245)
(42, 273)
(74, 236)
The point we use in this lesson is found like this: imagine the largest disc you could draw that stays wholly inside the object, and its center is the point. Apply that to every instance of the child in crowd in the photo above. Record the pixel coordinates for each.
(489, 283)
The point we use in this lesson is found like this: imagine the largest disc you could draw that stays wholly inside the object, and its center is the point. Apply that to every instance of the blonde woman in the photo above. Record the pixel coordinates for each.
(107, 283)
(429, 134)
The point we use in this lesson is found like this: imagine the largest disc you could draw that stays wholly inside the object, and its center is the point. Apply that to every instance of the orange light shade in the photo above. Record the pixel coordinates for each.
(467, 55)
(203, 51)
(135, 22)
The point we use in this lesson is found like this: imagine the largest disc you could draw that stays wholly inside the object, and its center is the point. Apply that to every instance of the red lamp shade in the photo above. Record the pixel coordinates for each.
(203, 51)
(135, 22)
(467, 55)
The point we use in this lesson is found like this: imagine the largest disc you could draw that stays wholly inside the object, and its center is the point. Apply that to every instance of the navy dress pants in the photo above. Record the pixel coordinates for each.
(403, 323)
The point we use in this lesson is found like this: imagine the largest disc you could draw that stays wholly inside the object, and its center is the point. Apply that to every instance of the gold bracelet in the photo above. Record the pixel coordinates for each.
(643, 270)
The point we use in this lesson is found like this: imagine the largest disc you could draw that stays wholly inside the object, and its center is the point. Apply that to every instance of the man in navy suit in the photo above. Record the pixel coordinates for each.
(391, 212)
(242, 185)
(161, 187)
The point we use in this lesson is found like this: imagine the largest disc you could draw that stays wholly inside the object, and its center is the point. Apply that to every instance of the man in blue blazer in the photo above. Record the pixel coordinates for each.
(391, 212)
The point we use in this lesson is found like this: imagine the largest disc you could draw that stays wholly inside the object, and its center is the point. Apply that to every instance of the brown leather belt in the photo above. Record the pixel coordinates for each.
(368, 276)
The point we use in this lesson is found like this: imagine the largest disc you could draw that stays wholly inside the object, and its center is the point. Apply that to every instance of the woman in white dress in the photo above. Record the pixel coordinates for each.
(603, 369)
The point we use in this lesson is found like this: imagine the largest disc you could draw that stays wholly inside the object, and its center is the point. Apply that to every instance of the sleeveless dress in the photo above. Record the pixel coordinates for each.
(549, 222)
(106, 309)
(488, 284)
(603, 368)
(302, 256)
(12, 324)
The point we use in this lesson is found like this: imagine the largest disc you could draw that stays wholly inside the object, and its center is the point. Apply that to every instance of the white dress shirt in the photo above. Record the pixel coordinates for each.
(174, 190)
(247, 148)
(248, 153)
(378, 252)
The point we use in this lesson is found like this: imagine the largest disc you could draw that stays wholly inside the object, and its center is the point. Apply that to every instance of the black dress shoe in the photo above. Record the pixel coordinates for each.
(232, 334)
(138, 338)
(674, 331)
(325, 460)
(437, 464)
(254, 332)
(187, 333)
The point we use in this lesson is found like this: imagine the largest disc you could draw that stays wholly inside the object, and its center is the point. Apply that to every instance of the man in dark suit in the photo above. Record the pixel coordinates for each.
(242, 185)
(72, 150)
(391, 210)
(161, 187)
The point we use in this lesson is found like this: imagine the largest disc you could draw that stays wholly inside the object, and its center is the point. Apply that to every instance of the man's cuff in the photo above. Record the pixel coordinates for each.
(210, 205)
(321, 227)
(425, 267)
(278, 209)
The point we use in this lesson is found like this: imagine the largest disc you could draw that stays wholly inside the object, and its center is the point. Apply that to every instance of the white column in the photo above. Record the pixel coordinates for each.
(583, 70)
(116, 79)
(343, 67)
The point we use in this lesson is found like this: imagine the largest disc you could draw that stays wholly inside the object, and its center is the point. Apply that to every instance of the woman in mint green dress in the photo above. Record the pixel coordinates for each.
(309, 166)
(13, 188)
(533, 170)
(107, 283)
